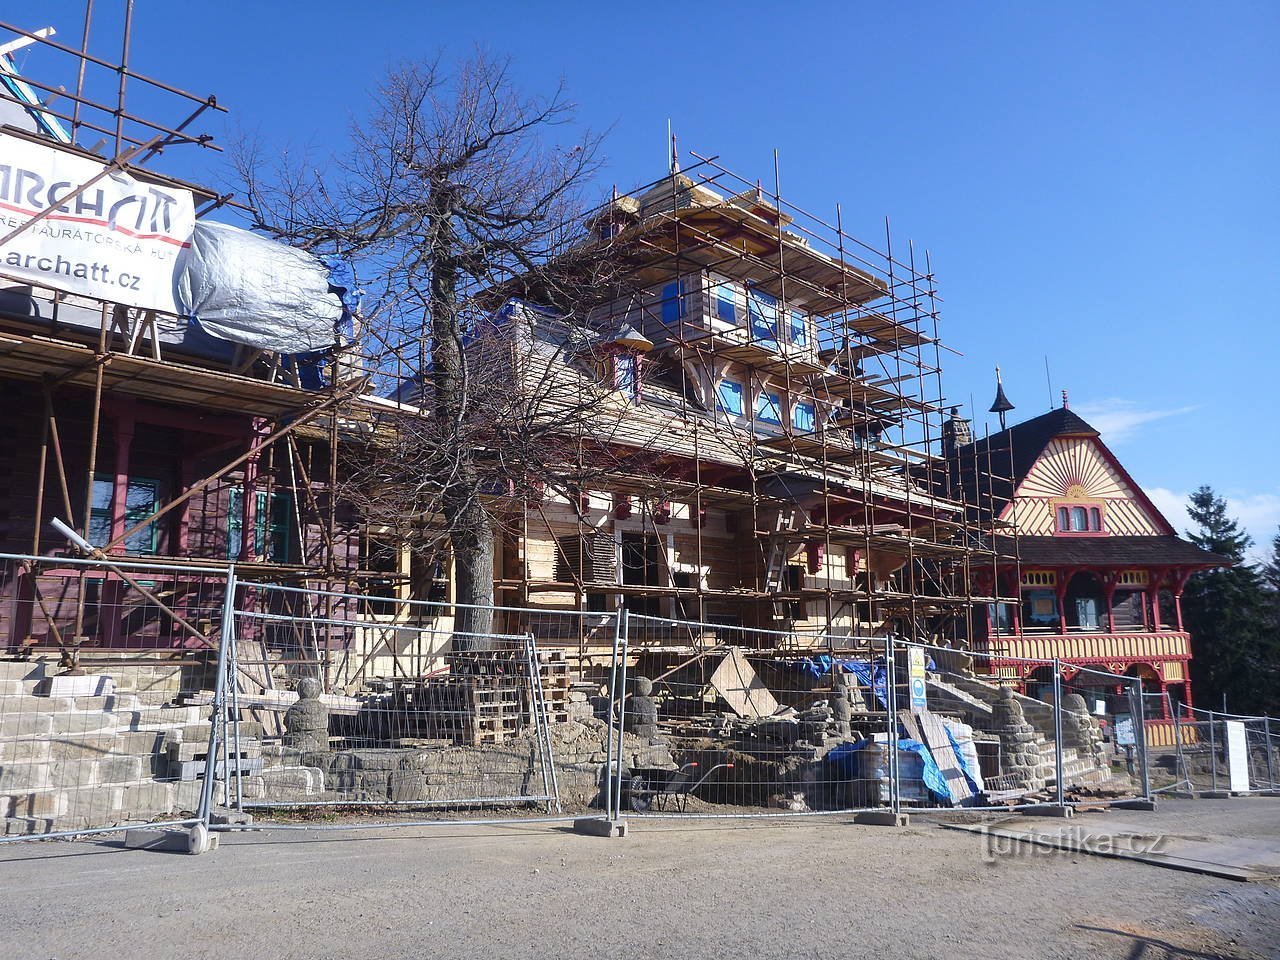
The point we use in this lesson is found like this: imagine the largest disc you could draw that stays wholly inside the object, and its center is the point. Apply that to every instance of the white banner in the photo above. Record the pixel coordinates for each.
(1237, 756)
(117, 241)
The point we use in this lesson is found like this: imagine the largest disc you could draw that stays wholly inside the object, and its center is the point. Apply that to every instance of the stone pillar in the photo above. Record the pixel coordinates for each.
(1020, 757)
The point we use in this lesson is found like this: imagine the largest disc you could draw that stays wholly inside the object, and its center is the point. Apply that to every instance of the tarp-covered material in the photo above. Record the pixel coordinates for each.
(241, 287)
(846, 758)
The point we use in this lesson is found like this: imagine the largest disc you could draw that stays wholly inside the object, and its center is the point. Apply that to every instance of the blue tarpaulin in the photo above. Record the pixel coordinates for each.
(845, 758)
(869, 674)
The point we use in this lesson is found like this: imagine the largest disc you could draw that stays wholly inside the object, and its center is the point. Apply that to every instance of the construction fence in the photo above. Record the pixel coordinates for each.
(181, 695)
(1216, 753)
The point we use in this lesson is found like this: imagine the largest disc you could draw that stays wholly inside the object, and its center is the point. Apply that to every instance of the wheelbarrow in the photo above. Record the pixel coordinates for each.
(663, 787)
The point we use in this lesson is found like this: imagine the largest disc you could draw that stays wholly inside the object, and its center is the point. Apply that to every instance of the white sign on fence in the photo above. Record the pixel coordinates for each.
(915, 673)
(1237, 755)
(117, 241)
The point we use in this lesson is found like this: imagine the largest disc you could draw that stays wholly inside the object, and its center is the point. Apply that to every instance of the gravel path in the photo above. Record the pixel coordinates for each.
(800, 889)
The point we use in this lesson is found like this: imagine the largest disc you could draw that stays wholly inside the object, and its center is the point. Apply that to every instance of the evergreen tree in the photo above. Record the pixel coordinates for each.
(1271, 583)
(1234, 649)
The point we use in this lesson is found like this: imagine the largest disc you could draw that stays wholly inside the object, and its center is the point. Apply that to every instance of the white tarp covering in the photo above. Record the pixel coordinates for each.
(118, 241)
(245, 288)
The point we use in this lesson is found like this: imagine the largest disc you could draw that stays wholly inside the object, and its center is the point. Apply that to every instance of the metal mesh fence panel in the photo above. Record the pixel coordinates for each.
(1218, 752)
(968, 738)
(104, 717)
(721, 720)
(460, 722)
(1103, 734)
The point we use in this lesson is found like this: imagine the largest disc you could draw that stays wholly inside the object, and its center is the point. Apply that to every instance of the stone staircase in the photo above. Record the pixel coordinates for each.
(94, 751)
(974, 700)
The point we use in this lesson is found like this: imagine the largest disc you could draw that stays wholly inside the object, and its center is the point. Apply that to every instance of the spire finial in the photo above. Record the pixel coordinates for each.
(1001, 404)
(1065, 404)
(675, 150)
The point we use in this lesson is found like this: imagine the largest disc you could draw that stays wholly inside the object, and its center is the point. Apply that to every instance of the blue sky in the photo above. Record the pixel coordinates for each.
(1096, 182)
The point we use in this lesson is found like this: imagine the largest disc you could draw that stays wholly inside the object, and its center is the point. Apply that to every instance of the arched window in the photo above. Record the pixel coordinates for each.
(1078, 518)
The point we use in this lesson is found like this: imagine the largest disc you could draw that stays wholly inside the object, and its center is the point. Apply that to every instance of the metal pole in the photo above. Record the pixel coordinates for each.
(891, 725)
(622, 713)
(219, 696)
(1213, 751)
(1057, 730)
(234, 642)
(1266, 732)
(618, 627)
(1140, 738)
(1179, 759)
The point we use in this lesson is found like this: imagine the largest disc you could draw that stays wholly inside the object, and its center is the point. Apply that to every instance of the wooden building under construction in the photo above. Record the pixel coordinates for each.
(763, 447)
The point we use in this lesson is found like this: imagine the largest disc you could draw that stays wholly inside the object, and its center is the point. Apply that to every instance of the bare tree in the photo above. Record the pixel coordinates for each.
(449, 200)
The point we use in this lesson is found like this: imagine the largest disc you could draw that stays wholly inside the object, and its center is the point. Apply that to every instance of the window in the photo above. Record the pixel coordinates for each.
(799, 329)
(1040, 607)
(729, 398)
(1001, 617)
(1078, 518)
(626, 374)
(141, 500)
(381, 557)
(763, 312)
(673, 306)
(769, 408)
(728, 303)
(802, 416)
(273, 537)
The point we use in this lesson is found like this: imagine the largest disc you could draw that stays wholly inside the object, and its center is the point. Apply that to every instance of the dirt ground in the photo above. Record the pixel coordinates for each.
(808, 888)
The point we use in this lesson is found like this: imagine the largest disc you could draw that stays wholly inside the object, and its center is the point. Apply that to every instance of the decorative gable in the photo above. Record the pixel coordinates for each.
(1076, 472)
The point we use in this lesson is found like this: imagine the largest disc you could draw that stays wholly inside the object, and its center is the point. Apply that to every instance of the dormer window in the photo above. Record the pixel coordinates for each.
(1078, 518)
(802, 416)
(626, 374)
(729, 303)
(763, 312)
(769, 408)
(729, 398)
(673, 307)
(799, 329)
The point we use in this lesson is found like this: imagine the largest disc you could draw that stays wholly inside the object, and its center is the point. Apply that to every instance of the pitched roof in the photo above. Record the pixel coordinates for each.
(1111, 551)
(1025, 441)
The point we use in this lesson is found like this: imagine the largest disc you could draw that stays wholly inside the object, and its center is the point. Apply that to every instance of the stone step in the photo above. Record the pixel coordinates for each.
(195, 769)
(71, 774)
(27, 826)
(146, 800)
(78, 685)
(22, 725)
(178, 752)
(21, 670)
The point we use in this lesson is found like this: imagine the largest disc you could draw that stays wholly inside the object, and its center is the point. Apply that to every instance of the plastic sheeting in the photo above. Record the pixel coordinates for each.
(847, 758)
(241, 287)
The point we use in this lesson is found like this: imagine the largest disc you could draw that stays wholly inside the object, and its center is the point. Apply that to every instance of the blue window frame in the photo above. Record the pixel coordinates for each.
(729, 398)
(727, 300)
(272, 529)
(673, 306)
(802, 416)
(763, 312)
(799, 330)
(142, 498)
(769, 408)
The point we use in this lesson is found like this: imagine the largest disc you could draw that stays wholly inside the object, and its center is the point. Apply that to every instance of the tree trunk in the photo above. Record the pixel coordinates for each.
(470, 532)
(472, 539)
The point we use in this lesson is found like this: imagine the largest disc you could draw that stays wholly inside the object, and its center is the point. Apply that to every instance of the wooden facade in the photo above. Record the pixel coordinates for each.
(1099, 571)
